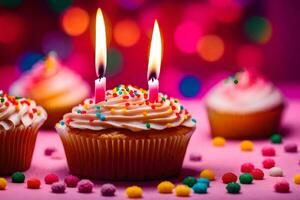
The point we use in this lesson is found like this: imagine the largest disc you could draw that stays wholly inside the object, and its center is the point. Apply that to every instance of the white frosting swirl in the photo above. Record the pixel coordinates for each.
(247, 96)
(17, 111)
(127, 107)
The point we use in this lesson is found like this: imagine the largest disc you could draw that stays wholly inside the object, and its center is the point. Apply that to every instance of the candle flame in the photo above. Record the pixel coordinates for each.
(155, 53)
(100, 57)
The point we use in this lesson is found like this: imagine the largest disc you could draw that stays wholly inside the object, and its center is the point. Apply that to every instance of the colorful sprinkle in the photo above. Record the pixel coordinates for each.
(282, 186)
(18, 177)
(229, 177)
(71, 181)
(148, 125)
(182, 191)
(62, 123)
(194, 120)
(165, 187)
(51, 178)
(218, 141)
(291, 148)
(268, 163)
(33, 183)
(247, 167)
(108, 190)
(268, 151)
(257, 174)
(102, 117)
(3, 183)
(134, 192)
(203, 180)
(297, 179)
(169, 125)
(195, 156)
(233, 188)
(49, 150)
(189, 181)
(276, 172)
(58, 188)
(276, 139)
(246, 178)
(200, 188)
(85, 186)
(207, 173)
(246, 145)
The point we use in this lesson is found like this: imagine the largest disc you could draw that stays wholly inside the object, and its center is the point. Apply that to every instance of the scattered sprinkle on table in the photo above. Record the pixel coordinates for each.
(182, 191)
(257, 174)
(134, 192)
(233, 188)
(297, 179)
(268, 163)
(3, 183)
(33, 183)
(246, 178)
(195, 156)
(246, 145)
(58, 187)
(247, 167)
(200, 188)
(85, 186)
(189, 181)
(276, 139)
(203, 180)
(71, 181)
(108, 190)
(276, 172)
(51, 178)
(219, 141)
(229, 177)
(165, 187)
(18, 177)
(291, 148)
(268, 151)
(49, 150)
(282, 186)
(208, 173)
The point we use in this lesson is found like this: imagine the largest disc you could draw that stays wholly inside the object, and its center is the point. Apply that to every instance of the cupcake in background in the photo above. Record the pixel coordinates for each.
(53, 86)
(20, 120)
(244, 107)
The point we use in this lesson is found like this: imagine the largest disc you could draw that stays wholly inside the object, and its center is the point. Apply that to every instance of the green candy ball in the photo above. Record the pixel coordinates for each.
(246, 178)
(233, 188)
(276, 139)
(18, 177)
(189, 181)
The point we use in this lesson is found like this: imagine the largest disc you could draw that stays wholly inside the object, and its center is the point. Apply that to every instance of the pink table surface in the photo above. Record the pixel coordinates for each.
(221, 160)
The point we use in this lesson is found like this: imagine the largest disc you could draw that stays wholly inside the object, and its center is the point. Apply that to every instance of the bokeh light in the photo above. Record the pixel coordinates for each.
(210, 47)
(59, 42)
(187, 35)
(249, 56)
(189, 86)
(10, 3)
(258, 29)
(27, 60)
(59, 6)
(126, 33)
(75, 21)
(227, 11)
(12, 28)
(114, 62)
(130, 4)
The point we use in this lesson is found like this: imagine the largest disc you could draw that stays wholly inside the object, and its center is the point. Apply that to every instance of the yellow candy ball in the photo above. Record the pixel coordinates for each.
(297, 179)
(246, 145)
(209, 174)
(219, 141)
(182, 191)
(165, 187)
(134, 192)
(3, 183)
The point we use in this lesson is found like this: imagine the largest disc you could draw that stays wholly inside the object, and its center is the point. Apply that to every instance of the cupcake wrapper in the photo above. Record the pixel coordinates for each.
(119, 158)
(16, 149)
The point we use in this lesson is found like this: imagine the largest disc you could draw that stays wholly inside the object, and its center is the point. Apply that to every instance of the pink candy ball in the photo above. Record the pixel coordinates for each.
(268, 163)
(51, 178)
(85, 186)
(282, 186)
(58, 187)
(71, 181)
(247, 167)
(268, 151)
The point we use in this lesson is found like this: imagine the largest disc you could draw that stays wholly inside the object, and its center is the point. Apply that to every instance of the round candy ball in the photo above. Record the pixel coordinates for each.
(134, 192)
(246, 178)
(247, 167)
(71, 181)
(108, 190)
(58, 187)
(257, 174)
(246, 145)
(3, 183)
(297, 179)
(233, 188)
(85, 186)
(276, 172)
(195, 157)
(268, 163)
(276, 139)
(207, 173)
(182, 191)
(33, 183)
(268, 151)
(165, 187)
(219, 141)
(189, 181)
(229, 177)
(291, 148)
(51, 178)
(18, 177)
(282, 186)
(203, 180)
(200, 188)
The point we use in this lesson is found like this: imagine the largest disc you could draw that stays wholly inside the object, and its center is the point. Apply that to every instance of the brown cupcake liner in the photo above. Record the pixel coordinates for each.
(16, 149)
(122, 157)
(245, 126)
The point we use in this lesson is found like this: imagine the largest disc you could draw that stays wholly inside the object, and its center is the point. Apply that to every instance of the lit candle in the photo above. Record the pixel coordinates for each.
(154, 64)
(100, 58)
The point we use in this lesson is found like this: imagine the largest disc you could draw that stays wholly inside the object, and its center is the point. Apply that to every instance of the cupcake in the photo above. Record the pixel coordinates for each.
(246, 108)
(126, 137)
(53, 86)
(20, 120)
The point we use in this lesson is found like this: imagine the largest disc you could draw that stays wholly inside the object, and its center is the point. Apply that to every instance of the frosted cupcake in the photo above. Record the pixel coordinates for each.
(20, 120)
(246, 108)
(53, 86)
(126, 137)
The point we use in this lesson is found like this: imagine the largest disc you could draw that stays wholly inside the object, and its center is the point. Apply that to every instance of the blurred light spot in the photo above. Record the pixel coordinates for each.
(189, 86)
(227, 11)
(27, 60)
(258, 29)
(60, 5)
(126, 33)
(75, 21)
(210, 47)
(130, 4)
(59, 42)
(114, 62)
(186, 36)
(12, 28)
(249, 56)
(10, 3)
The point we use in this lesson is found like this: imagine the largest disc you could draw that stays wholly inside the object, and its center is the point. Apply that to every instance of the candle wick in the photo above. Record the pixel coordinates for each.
(100, 71)
(152, 76)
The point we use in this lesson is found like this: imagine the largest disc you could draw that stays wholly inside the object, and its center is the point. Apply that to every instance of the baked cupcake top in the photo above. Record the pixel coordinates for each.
(18, 111)
(244, 94)
(128, 107)
(50, 83)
